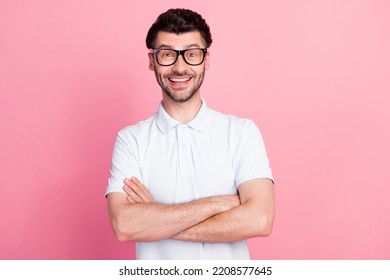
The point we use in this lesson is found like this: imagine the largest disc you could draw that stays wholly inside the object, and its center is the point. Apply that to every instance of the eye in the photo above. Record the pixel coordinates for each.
(192, 54)
(167, 54)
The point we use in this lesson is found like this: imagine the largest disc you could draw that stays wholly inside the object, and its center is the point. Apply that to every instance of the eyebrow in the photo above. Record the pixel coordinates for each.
(164, 46)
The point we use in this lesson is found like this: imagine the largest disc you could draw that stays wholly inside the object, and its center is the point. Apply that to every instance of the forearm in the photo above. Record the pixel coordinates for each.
(228, 226)
(153, 221)
(253, 218)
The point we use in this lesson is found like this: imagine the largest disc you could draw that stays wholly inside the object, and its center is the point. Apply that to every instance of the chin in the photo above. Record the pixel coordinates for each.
(180, 98)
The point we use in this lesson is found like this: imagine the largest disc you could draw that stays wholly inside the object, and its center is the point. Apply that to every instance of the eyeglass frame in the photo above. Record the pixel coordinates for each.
(178, 53)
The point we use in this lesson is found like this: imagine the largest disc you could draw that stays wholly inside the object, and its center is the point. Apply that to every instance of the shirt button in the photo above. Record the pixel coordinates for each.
(183, 146)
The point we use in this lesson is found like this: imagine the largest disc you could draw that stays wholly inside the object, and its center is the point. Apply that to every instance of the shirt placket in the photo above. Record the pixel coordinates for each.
(183, 138)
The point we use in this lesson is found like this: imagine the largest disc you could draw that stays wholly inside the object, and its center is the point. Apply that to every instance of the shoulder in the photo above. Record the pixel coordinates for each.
(132, 134)
(138, 128)
(232, 121)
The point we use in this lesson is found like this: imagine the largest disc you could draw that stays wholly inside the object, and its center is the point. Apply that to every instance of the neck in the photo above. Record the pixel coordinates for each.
(182, 112)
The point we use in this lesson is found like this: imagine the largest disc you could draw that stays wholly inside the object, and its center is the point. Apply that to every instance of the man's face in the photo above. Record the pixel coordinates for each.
(180, 81)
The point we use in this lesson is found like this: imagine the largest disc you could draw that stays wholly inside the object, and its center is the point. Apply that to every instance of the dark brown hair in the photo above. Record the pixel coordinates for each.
(179, 21)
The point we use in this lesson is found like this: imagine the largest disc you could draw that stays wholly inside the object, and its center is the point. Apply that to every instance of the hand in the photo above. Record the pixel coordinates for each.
(137, 192)
(230, 201)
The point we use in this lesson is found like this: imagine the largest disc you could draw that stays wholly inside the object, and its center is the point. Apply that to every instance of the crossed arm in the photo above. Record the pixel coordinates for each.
(135, 216)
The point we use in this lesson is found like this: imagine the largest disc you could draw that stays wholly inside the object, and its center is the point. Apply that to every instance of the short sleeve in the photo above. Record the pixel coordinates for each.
(251, 158)
(124, 162)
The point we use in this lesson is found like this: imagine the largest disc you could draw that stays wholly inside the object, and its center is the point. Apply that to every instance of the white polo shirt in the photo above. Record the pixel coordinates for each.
(211, 155)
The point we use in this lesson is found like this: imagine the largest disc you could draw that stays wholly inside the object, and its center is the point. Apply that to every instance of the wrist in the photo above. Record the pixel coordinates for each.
(225, 202)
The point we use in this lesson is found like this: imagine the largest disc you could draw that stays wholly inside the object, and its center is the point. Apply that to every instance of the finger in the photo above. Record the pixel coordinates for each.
(130, 200)
(137, 190)
(127, 182)
(140, 190)
(143, 191)
(133, 195)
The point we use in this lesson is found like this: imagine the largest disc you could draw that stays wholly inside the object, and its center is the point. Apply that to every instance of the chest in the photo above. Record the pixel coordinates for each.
(186, 164)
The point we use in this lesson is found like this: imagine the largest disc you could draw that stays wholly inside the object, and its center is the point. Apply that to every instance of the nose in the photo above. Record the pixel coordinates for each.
(180, 63)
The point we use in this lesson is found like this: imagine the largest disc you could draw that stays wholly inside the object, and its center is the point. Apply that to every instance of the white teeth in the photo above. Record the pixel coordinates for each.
(179, 80)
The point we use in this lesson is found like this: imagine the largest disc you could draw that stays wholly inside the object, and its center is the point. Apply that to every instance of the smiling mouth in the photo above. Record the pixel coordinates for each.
(179, 80)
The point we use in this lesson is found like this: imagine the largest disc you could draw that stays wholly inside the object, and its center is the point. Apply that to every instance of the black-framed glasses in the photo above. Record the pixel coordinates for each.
(168, 57)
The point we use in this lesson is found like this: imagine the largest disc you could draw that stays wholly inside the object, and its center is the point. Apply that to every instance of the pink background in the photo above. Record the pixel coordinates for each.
(314, 76)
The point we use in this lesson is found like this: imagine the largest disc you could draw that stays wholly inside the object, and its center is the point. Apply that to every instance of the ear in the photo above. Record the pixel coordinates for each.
(151, 61)
(207, 61)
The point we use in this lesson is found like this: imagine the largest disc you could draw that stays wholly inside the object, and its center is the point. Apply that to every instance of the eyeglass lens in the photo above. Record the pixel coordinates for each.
(169, 57)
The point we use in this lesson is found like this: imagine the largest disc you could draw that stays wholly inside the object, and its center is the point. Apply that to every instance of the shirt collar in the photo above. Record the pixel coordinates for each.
(165, 122)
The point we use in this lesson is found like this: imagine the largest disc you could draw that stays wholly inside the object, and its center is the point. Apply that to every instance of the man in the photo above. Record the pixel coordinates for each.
(189, 182)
